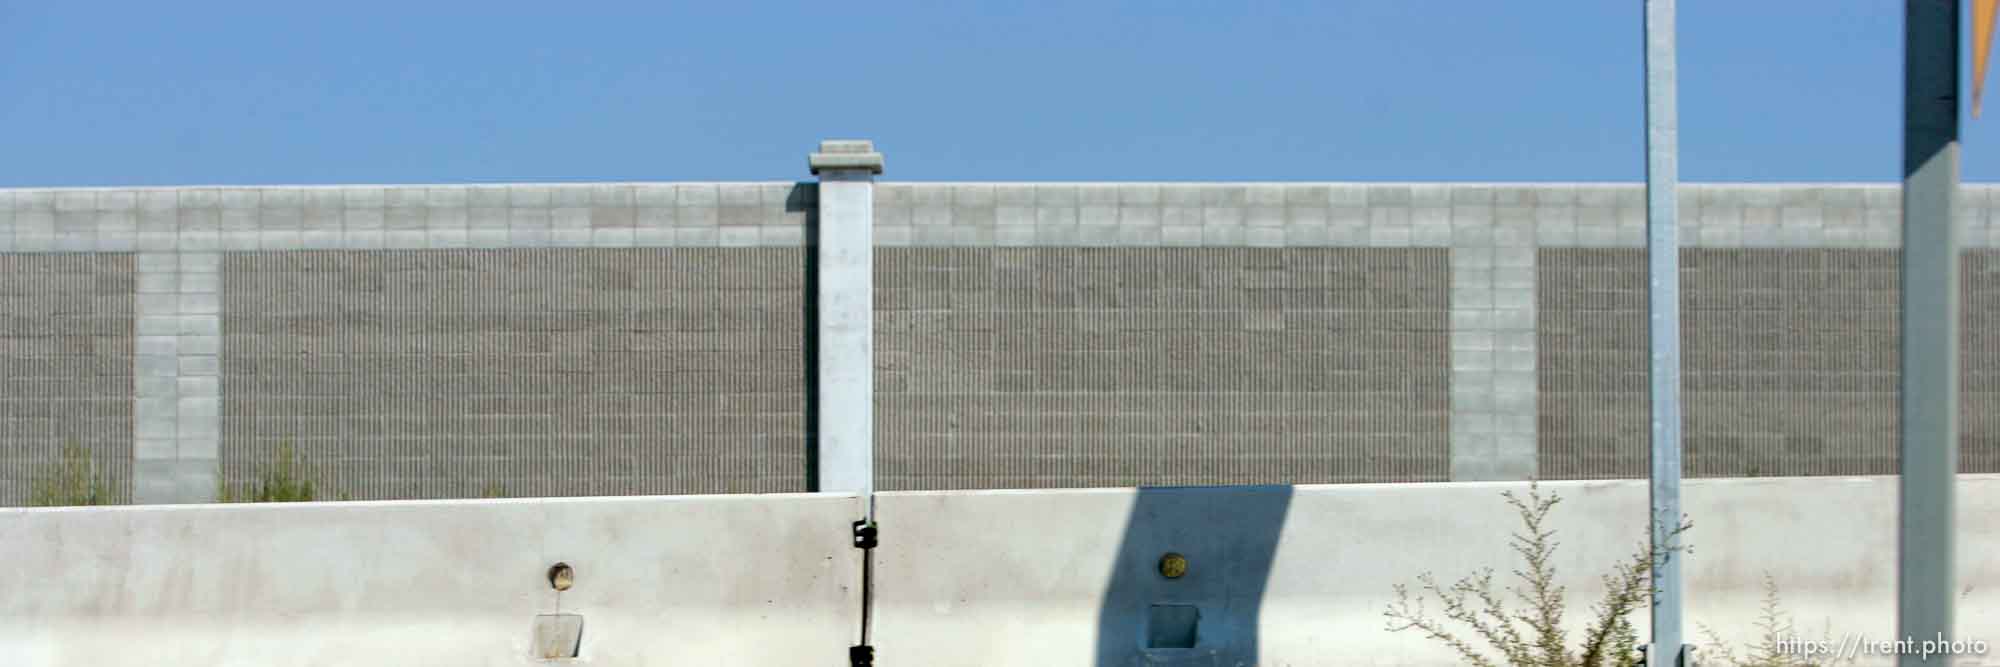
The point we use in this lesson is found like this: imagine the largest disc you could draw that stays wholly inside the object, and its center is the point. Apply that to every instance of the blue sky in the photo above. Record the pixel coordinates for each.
(95, 93)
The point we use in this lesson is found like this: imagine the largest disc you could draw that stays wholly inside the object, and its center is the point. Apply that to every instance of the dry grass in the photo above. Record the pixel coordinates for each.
(285, 479)
(71, 480)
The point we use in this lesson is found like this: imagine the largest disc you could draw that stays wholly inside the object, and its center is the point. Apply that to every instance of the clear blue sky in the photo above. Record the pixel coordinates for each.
(157, 93)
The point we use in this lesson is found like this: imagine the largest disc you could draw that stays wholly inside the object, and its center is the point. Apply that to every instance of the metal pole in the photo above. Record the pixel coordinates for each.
(1929, 443)
(1663, 305)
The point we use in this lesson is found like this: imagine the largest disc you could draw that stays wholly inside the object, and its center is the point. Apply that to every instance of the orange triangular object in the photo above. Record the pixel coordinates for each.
(1982, 41)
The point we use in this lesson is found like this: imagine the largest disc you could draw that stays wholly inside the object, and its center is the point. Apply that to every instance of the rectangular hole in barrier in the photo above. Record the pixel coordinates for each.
(1172, 626)
(558, 636)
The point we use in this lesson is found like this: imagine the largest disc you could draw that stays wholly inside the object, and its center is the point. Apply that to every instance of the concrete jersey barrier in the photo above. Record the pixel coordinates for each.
(699, 580)
(1270, 575)
(1301, 575)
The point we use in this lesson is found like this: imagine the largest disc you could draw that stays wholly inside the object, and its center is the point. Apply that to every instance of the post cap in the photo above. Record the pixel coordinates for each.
(846, 154)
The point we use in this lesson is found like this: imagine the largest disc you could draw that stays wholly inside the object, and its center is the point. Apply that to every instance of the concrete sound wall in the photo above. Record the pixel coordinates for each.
(66, 372)
(1790, 364)
(434, 341)
(412, 341)
(1079, 367)
(557, 371)
(709, 580)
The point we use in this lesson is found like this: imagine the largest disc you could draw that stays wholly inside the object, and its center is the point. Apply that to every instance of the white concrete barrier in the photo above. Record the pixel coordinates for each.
(692, 580)
(1302, 575)
(1275, 575)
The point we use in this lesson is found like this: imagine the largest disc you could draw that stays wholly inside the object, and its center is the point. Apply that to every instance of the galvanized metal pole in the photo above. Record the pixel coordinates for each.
(1663, 292)
(1929, 447)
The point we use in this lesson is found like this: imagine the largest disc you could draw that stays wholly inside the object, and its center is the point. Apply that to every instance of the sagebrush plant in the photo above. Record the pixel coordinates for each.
(1534, 636)
(283, 479)
(1774, 632)
(73, 479)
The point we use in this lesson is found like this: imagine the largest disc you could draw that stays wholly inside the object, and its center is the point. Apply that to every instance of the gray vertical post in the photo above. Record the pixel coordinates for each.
(1929, 449)
(846, 171)
(1663, 305)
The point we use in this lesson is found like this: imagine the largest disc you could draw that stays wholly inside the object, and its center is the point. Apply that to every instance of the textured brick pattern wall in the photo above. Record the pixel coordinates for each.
(974, 372)
(414, 374)
(1077, 367)
(1789, 360)
(1979, 418)
(65, 366)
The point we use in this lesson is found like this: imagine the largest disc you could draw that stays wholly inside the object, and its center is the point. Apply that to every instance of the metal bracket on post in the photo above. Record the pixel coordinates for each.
(865, 532)
(1685, 659)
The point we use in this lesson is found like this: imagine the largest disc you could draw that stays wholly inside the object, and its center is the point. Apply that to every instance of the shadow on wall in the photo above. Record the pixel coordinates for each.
(1226, 538)
(804, 198)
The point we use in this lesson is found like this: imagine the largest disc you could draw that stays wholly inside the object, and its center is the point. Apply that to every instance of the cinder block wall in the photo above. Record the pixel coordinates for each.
(546, 371)
(427, 341)
(1037, 367)
(1789, 368)
(65, 366)
(1036, 335)
(411, 341)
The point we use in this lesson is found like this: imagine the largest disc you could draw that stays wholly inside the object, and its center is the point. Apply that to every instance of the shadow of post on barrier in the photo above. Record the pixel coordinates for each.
(1188, 582)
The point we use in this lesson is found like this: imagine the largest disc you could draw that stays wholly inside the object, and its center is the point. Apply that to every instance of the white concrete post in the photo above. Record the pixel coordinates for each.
(846, 248)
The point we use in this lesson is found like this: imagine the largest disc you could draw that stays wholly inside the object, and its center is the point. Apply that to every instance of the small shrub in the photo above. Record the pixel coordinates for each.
(72, 480)
(1777, 641)
(493, 490)
(283, 480)
(1533, 637)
